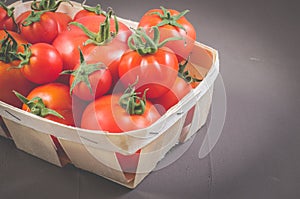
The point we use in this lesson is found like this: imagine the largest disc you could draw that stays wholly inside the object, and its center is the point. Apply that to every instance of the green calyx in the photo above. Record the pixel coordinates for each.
(37, 106)
(9, 46)
(131, 102)
(34, 16)
(144, 44)
(47, 5)
(24, 57)
(104, 35)
(185, 74)
(168, 19)
(83, 72)
(97, 9)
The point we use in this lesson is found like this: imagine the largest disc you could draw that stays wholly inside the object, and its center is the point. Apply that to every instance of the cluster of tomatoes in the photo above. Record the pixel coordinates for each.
(93, 71)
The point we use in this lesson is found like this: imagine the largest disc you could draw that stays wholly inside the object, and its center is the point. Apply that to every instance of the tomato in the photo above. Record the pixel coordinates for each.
(7, 20)
(108, 51)
(41, 63)
(171, 24)
(173, 96)
(55, 97)
(89, 81)
(156, 70)
(89, 11)
(11, 79)
(62, 20)
(37, 26)
(118, 113)
(106, 114)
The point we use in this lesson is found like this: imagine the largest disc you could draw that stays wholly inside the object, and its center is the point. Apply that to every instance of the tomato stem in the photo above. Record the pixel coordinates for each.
(8, 46)
(131, 102)
(144, 44)
(37, 106)
(34, 16)
(104, 35)
(47, 5)
(168, 19)
(23, 57)
(83, 72)
(185, 74)
(97, 9)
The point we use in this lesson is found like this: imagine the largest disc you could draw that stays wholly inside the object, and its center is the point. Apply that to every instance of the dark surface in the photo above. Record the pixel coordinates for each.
(257, 154)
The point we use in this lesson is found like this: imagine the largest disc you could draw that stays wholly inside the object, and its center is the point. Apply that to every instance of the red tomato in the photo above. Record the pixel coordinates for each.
(156, 71)
(106, 114)
(171, 26)
(90, 81)
(11, 79)
(43, 30)
(56, 97)
(173, 96)
(108, 53)
(89, 11)
(6, 18)
(62, 20)
(43, 63)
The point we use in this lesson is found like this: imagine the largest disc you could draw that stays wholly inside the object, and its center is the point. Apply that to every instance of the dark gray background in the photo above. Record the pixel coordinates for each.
(257, 155)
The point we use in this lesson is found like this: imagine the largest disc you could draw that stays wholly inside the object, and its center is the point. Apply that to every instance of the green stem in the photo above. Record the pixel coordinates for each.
(8, 46)
(133, 104)
(104, 35)
(34, 16)
(83, 72)
(97, 9)
(168, 19)
(23, 57)
(47, 5)
(185, 74)
(37, 106)
(144, 44)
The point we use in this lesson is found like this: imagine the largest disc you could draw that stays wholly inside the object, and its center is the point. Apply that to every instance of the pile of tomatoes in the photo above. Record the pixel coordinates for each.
(91, 70)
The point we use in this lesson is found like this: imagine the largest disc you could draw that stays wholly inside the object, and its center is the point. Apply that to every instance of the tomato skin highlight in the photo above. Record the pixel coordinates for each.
(56, 97)
(45, 64)
(157, 71)
(182, 48)
(106, 114)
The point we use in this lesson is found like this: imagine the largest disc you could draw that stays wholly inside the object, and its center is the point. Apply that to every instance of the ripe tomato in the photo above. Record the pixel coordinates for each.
(41, 63)
(89, 11)
(37, 26)
(171, 24)
(118, 113)
(55, 97)
(7, 20)
(108, 51)
(156, 69)
(173, 96)
(11, 79)
(89, 81)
